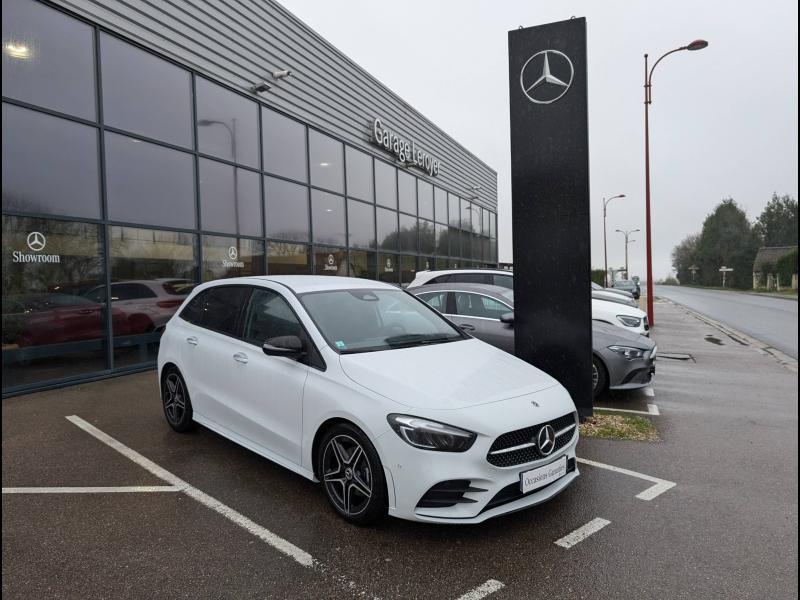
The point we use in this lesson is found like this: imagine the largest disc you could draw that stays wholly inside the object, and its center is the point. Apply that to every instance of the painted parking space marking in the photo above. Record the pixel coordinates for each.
(581, 533)
(274, 540)
(660, 485)
(92, 490)
(483, 590)
(652, 410)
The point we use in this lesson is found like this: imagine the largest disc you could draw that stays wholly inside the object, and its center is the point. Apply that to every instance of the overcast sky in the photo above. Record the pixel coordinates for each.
(723, 120)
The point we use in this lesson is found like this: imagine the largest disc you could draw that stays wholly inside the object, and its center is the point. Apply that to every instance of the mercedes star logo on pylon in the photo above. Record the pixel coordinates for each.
(546, 76)
(233, 253)
(546, 440)
(36, 241)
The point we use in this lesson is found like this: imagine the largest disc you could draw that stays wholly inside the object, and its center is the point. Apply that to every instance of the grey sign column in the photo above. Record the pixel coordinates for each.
(550, 202)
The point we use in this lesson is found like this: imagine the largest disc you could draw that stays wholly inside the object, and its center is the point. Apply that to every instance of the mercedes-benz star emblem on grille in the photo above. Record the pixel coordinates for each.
(546, 76)
(233, 253)
(546, 440)
(36, 241)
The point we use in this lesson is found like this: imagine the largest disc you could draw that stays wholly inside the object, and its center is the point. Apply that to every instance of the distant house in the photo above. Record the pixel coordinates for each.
(765, 266)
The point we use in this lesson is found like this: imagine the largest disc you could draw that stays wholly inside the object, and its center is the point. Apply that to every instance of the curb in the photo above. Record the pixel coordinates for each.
(761, 347)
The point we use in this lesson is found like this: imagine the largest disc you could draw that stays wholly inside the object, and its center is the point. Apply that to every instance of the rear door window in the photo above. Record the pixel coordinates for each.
(485, 278)
(217, 309)
(506, 281)
(437, 300)
(476, 305)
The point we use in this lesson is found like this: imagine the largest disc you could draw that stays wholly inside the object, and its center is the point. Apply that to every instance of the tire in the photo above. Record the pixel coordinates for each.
(352, 475)
(599, 377)
(175, 401)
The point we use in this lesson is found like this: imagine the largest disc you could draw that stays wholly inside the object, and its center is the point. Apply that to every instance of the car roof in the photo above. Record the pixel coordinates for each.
(301, 284)
(496, 291)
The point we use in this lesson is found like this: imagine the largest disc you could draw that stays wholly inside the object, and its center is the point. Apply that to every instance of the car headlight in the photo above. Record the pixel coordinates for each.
(627, 351)
(654, 352)
(629, 321)
(431, 435)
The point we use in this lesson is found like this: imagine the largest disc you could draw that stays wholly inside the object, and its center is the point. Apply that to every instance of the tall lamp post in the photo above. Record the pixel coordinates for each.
(627, 234)
(648, 100)
(605, 245)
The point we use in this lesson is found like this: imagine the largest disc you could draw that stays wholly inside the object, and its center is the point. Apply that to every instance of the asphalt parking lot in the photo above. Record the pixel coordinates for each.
(150, 513)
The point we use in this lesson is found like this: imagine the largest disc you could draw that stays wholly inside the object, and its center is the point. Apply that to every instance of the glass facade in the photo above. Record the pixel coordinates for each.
(128, 179)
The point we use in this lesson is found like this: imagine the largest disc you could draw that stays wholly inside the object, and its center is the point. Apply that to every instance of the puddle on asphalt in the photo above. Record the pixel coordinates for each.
(675, 356)
(714, 340)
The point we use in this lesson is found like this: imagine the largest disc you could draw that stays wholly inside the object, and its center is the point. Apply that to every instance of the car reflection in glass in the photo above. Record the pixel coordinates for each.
(621, 359)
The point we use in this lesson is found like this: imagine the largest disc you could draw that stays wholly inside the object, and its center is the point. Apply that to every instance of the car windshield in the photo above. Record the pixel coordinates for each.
(368, 320)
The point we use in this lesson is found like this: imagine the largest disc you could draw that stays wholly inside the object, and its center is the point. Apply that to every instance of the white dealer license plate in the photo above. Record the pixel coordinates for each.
(541, 476)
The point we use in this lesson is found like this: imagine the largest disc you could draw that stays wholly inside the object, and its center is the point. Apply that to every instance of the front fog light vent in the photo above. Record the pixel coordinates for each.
(448, 493)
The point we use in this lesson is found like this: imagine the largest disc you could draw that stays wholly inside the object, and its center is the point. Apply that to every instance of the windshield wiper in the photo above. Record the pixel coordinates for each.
(418, 339)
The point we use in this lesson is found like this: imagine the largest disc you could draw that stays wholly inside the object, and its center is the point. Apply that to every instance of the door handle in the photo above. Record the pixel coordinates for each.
(191, 340)
(241, 357)
(467, 327)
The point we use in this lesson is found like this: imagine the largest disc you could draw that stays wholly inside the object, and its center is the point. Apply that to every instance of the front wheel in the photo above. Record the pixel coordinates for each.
(352, 475)
(176, 401)
(599, 377)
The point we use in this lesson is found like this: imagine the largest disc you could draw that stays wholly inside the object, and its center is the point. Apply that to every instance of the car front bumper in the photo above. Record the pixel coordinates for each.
(413, 472)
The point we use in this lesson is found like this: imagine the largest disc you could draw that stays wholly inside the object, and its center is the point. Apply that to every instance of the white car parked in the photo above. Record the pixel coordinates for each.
(630, 318)
(365, 388)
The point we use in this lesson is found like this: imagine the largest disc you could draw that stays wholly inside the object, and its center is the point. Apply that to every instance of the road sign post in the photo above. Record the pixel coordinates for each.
(723, 269)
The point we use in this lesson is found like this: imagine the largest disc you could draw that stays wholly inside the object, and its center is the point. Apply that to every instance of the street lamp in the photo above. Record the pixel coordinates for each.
(605, 246)
(648, 100)
(626, 234)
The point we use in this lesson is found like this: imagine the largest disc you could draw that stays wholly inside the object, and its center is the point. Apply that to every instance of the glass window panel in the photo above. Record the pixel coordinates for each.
(475, 218)
(454, 206)
(385, 184)
(485, 222)
(52, 328)
(426, 263)
(466, 215)
(220, 307)
(232, 257)
(227, 124)
(288, 259)
(145, 94)
(407, 192)
(408, 269)
(230, 199)
(330, 261)
(327, 218)
(493, 225)
(286, 210)
(388, 269)
(442, 235)
(327, 162)
(147, 183)
(359, 174)
(442, 263)
(425, 200)
(363, 264)
(466, 244)
(408, 233)
(440, 203)
(386, 223)
(268, 315)
(360, 224)
(283, 145)
(48, 58)
(50, 165)
(454, 241)
(427, 237)
(154, 271)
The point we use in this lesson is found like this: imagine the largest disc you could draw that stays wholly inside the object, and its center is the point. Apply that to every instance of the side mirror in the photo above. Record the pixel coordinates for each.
(507, 318)
(289, 346)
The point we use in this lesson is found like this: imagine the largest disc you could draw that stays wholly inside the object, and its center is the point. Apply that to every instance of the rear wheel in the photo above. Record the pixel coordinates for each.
(599, 377)
(352, 475)
(176, 401)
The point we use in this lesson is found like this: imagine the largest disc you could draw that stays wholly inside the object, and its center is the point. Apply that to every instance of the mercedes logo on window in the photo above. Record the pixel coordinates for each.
(36, 241)
(233, 253)
(331, 259)
(388, 263)
(546, 440)
(546, 76)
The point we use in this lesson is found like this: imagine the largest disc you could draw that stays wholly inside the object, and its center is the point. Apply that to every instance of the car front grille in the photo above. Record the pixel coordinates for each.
(519, 447)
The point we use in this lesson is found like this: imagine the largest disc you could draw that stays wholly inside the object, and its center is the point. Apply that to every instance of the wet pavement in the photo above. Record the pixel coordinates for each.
(728, 528)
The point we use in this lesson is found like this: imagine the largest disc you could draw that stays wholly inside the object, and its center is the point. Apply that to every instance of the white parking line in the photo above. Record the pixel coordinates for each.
(581, 533)
(652, 409)
(661, 485)
(91, 490)
(277, 542)
(483, 590)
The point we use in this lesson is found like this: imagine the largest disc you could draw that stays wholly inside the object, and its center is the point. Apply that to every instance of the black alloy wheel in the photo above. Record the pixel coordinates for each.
(176, 401)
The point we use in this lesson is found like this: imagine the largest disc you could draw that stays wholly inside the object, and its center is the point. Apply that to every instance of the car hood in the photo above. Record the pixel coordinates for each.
(445, 376)
(604, 335)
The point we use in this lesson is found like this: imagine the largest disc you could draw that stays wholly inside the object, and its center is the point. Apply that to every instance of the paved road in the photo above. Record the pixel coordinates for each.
(771, 320)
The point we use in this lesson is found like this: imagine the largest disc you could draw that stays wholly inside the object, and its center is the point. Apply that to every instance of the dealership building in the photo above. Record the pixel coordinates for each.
(150, 147)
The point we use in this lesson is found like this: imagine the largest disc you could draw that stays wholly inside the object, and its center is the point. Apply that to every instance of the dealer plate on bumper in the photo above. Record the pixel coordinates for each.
(541, 476)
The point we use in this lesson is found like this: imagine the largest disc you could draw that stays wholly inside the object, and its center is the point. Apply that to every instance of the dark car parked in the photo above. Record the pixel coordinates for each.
(620, 359)
(628, 285)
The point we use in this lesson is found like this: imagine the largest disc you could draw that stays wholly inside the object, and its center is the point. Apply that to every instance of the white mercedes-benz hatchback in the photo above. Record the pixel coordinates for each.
(361, 386)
